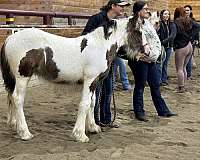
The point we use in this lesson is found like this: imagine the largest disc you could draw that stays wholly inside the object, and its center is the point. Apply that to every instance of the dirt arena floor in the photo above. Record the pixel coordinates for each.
(51, 113)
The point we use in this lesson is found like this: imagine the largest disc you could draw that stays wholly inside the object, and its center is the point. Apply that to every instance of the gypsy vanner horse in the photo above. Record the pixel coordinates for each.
(55, 58)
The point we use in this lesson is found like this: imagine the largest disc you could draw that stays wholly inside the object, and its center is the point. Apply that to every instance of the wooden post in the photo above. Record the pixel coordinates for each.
(10, 18)
(47, 20)
(69, 20)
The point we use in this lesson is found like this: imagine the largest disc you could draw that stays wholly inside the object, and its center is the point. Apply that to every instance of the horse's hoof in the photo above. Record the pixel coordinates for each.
(26, 136)
(94, 128)
(80, 136)
(83, 139)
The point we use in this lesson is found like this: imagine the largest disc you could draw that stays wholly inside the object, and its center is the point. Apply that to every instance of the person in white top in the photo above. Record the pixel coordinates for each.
(144, 66)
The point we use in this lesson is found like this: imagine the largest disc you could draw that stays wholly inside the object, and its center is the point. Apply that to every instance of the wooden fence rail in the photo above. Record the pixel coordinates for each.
(47, 16)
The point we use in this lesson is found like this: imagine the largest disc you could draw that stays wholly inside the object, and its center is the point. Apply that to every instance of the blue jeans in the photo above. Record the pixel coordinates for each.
(159, 68)
(104, 104)
(165, 64)
(143, 72)
(122, 71)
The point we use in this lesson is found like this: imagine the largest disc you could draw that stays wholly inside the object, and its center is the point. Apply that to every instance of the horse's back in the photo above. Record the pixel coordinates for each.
(28, 39)
(33, 38)
(34, 46)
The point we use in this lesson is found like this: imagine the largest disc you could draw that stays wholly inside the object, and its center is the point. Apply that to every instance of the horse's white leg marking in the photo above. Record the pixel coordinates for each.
(11, 117)
(18, 96)
(91, 126)
(84, 106)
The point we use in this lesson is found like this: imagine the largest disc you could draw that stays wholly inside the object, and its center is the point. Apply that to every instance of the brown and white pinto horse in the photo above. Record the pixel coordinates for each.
(55, 58)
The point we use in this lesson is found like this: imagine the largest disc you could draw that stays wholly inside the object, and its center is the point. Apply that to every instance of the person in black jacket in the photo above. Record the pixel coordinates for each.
(166, 33)
(194, 41)
(113, 9)
(186, 28)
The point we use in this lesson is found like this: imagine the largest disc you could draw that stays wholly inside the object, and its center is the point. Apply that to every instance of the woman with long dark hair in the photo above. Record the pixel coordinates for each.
(144, 68)
(166, 33)
(186, 28)
(194, 41)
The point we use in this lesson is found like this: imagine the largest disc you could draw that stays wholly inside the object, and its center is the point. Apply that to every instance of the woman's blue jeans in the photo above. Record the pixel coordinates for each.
(143, 72)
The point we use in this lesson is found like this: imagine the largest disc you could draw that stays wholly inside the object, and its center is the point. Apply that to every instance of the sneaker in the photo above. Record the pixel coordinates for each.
(181, 89)
(141, 117)
(129, 88)
(164, 84)
(111, 125)
(169, 114)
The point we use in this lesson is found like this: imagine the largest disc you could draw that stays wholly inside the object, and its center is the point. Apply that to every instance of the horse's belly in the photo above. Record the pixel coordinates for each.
(69, 76)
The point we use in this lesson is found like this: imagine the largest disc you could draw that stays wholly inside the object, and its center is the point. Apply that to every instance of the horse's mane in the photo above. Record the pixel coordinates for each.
(104, 29)
(134, 38)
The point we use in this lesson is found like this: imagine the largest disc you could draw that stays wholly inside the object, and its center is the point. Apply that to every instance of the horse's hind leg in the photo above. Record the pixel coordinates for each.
(91, 126)
(18, 117)
(11, 120)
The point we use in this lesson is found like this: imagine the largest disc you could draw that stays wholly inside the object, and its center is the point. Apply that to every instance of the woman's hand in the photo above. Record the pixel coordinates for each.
(147, 49)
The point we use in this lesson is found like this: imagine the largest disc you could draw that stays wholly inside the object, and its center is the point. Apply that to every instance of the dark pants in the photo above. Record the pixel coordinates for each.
(189, 67)
(104, 104)
(143, 72)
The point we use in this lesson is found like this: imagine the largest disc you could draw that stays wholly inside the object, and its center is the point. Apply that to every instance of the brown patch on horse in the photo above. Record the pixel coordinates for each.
(8, 76)
(83, 44)
(30, 63)
(34, 63)
(110, 56)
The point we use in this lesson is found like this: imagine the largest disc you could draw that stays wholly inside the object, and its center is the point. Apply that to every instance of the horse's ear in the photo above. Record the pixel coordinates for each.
(113, 23)
(149, 14)
(107, 25)
(158, 14)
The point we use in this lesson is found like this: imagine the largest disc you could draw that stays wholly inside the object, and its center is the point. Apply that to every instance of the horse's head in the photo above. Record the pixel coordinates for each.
(126, 33)
(154, 19)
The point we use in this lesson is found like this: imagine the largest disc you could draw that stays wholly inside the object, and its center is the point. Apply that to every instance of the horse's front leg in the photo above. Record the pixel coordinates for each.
(91, 126)
(84, 107)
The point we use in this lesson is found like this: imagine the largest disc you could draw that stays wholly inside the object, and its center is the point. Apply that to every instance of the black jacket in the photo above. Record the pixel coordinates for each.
(95, 21)
(195, 36)
(184, 37)
(167, 33)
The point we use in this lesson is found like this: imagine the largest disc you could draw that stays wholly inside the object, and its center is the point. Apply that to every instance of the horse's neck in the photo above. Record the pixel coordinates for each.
(120, 34)
(97, 34)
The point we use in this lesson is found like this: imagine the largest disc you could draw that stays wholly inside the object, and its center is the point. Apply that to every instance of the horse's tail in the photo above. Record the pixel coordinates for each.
(7, 74)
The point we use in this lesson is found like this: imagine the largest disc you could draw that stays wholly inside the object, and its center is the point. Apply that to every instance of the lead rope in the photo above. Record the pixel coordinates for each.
(113, 93)
(97, 111)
